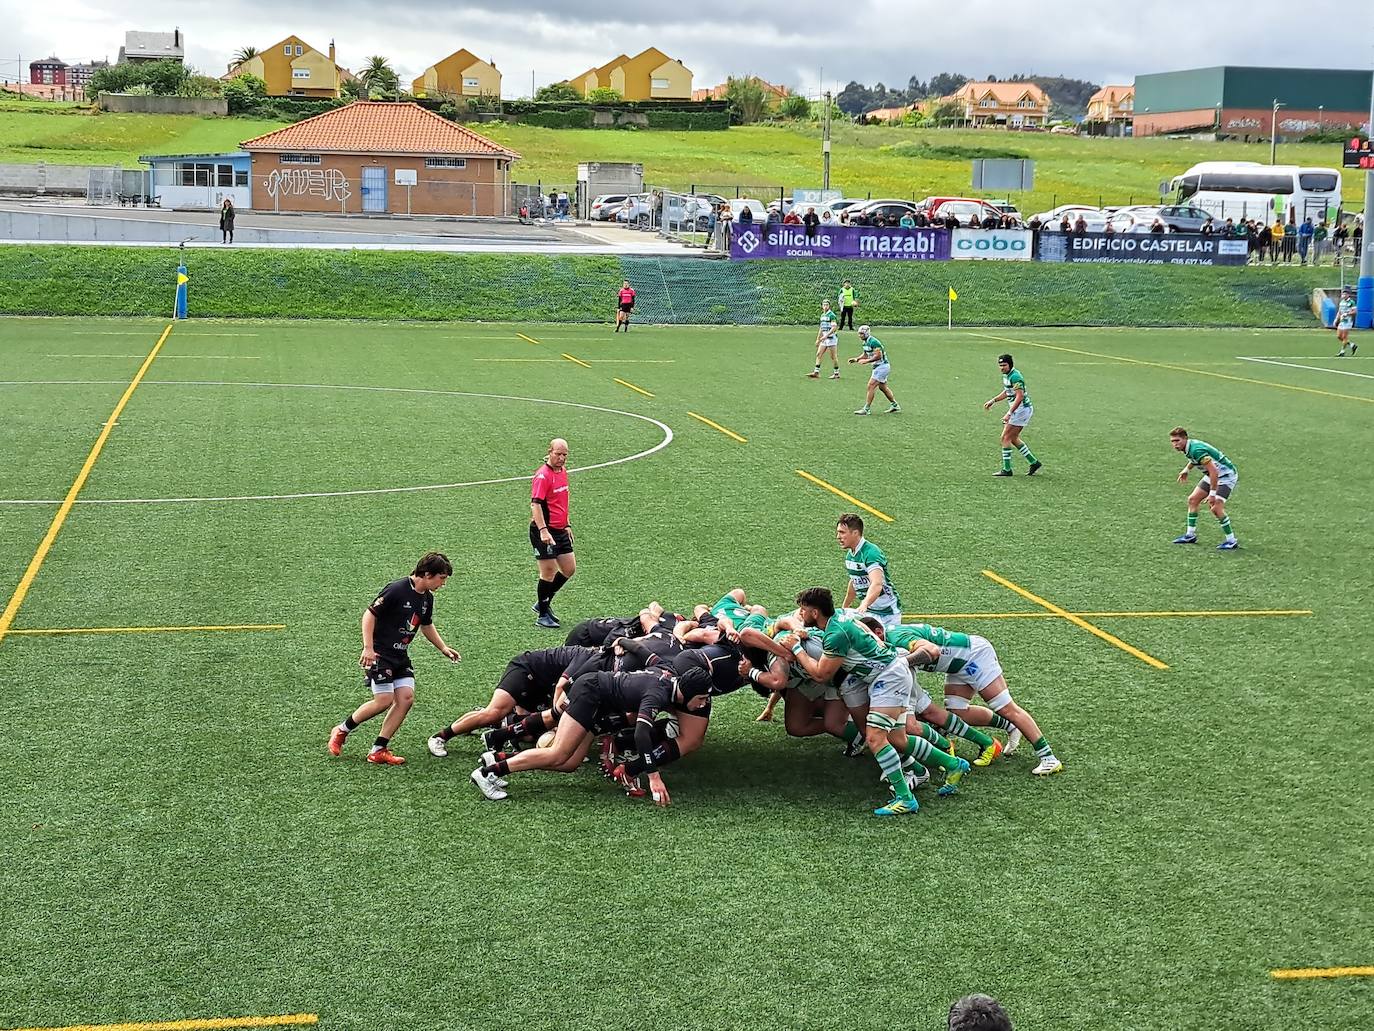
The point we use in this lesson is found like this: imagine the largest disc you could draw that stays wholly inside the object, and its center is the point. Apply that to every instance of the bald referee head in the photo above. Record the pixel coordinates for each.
(550, 532)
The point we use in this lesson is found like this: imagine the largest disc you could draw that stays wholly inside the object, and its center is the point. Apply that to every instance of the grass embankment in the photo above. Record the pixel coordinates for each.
(61, 280)
(867, 160)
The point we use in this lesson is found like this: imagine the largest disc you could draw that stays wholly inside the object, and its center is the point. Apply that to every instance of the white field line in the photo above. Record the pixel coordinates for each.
(1309, 368)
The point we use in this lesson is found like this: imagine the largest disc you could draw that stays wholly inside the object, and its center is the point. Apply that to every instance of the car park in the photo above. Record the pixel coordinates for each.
(604, 208)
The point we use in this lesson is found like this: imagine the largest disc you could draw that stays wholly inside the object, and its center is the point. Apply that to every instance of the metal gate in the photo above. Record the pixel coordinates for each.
(374, 188)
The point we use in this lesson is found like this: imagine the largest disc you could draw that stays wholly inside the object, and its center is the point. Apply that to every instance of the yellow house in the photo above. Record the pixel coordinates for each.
(291, 67)
(1009, 104)
(649, 75)
(1112, 104)
(461, 74)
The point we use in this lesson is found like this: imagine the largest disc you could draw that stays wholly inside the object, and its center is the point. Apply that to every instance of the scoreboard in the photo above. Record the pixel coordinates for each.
(1358, 154)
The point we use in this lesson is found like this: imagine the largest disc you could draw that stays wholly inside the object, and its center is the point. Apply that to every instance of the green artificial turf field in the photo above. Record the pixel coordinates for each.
(178, 844)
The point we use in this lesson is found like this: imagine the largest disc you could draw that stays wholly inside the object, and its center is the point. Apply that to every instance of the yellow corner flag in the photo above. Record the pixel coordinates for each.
(952, 295)
(183, 279)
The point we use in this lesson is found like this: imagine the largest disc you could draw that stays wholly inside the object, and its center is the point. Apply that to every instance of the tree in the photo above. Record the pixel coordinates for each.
(557, 93)
(746, 98)
(165, 77)
(352, 88)
(380, 79)
(604, 95)
(795, 106)
(945, 83)
(243, 54)
(244, 92)
(947, 113)
(196, 85)
(854, 98)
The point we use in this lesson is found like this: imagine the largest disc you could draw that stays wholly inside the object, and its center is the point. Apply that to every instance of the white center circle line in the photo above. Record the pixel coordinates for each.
(666, 430)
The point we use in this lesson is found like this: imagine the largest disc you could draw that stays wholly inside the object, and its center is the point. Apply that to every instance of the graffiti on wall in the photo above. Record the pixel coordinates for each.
(328, 183)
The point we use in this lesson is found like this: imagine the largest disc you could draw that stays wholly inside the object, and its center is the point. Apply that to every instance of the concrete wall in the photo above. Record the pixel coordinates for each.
(123, 103)
(41, 179)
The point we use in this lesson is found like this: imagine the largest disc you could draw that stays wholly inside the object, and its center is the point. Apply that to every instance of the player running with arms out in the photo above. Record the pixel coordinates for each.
(1345, 322)
(827, 339)
(625, 306)
(970, 665)
(1018, 417)
(877, 692)
(1215, 487)
(875, 357)
(870, 587)
(403, 608)
(550, 533)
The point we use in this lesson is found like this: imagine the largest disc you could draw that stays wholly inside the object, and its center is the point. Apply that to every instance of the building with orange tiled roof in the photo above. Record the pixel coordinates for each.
(1012, 105)
(775, 94)
(1112, 104)
(376, 157)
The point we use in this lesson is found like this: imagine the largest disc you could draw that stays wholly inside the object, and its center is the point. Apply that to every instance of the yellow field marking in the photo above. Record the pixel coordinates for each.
(717, 426)
(207, 1024)
(579, 361)
(1077, 621)
(848, 497)
(166, 357)
(530, 339)
(1177, 368)
(44, 546)
(53, 631)
(1302, 974)
(1181, 614)
(637, 390)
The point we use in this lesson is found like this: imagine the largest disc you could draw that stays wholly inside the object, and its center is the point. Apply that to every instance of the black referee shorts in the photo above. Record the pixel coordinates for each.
(562, 543)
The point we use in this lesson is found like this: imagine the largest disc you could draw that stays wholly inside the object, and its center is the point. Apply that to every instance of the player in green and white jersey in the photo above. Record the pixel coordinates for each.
(1018, 417)
(827, 339)
(1345, 322)
(810, 708)
(870, 585)
(970, 665)
(875, 356)
(877, 692)
(1217, 483)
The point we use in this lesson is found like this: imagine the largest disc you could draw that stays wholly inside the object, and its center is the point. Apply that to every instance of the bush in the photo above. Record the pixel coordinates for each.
(688, 120)
(557, 92)
(795, 106)
(604, 95)
(577, 118)
(950, 152)
(244, 92)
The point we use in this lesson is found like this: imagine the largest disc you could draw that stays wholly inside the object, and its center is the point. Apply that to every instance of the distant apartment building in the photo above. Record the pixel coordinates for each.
(153, 46)
(48, 71)
(291, 67)
(1011, 105)
(649, 75)
(1112, 104)
(80, 75)
(461, 74)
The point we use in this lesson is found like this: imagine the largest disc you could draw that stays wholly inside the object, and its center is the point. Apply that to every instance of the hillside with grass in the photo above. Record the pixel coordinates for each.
(876, 161)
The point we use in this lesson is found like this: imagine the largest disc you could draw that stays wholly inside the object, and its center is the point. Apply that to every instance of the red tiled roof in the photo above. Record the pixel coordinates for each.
(379, 127)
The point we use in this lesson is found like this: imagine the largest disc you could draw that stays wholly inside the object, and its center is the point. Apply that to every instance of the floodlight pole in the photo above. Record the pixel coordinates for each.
(1364, 288)
(825, 143)
(1274, 130)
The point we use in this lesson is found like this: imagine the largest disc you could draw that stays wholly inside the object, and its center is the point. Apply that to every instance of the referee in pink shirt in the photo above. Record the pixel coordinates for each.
(550, 533)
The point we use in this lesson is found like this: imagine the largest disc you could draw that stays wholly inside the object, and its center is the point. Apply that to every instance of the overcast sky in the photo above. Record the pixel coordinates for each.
(876, 40)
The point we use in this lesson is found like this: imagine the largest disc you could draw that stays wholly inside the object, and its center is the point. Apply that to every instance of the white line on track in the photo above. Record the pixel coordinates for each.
(667, 439)
(1310, 368)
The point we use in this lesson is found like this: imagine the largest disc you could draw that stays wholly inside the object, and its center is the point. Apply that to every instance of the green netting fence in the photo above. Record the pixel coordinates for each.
(242, 283)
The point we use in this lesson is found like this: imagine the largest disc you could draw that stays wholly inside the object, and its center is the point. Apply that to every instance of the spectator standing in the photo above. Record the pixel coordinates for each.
(1275, 240)
(827, 219)
(907, 221)
(1305, 233)
(951, 221)
(1065, 226)
(563, 204)
(990, 221)
(1208, 229)
(1319, 234)
(1264, 242)
(792, 219)
(1157, 228)
(1357, 238)
(1338, 237)
(1109, 229)
(812, 223)
(1290, 240)
(226, 221)
(746, 217)
(1080, 226)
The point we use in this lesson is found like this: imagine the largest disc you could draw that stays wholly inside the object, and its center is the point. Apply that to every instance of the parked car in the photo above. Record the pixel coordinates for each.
(636, 208)
(1064, 130)
(1136, 219)
(1053, 216)
(1185, 218)
(756, 208)
(886, 210)
(965, 209)
(604, 208)
(1006, 207)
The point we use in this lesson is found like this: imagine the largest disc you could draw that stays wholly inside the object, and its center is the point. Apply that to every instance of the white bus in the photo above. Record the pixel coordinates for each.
(1247, 189)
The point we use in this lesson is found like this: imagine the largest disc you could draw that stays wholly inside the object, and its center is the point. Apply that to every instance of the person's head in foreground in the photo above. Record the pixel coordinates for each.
(978, 1013)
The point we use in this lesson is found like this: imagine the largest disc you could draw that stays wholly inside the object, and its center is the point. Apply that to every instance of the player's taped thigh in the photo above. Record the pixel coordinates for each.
(955, 702)
(997, 702)
(878, 721)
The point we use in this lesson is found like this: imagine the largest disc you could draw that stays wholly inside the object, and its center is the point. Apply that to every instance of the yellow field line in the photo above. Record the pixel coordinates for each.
(1178, 368)
(848, 497)
(1301, 974)
(530, 339)
(718, 426)
(1195, 613)
(579, 361)
(637, 390)
(207, 1024)
(44, 546)
(1077, 621)
(53, 631)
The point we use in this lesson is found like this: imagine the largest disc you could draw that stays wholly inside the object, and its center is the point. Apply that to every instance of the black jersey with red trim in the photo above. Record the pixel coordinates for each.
(401, 611)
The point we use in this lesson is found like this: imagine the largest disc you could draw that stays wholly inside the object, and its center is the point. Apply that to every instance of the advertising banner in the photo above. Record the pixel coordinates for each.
(781, 241)
(991, 244)
(1141, 248)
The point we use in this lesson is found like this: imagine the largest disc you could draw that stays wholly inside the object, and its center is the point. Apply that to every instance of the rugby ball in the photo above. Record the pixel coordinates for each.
(546, 739)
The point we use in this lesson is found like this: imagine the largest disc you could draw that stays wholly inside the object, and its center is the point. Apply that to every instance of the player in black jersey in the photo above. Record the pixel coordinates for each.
(596, 632)
(592, 697)
(532, 682)
(404, 608)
